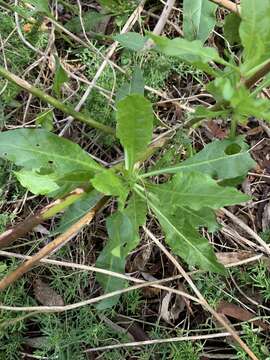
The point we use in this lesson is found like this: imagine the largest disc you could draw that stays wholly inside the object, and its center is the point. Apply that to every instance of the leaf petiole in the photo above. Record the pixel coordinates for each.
(233, 128)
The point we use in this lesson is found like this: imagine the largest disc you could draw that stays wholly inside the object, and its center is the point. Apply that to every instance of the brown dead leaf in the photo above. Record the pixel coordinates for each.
(46, 295)
(41, 229)
(246, 186)
(140, 260)
(116, 327)
(132, 327)
(52, 63)
(150, 292)
(171, 307)
(216, 130)
(164, 309)
(236, 312)
(227, 258)
(182, 287)
(255, 131)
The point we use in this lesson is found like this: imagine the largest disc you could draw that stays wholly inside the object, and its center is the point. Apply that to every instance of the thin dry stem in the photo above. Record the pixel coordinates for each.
(14, 233)
(229, 5)
(200, 296)
(130, 22)
(51, 247)
(162, 341)
(248, 230)
(99, 270)
(77, 305)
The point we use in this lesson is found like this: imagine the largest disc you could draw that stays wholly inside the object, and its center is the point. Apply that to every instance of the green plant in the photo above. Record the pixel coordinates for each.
(259, 346)
(257, 277)
(199, 19)
(53, 166)
(232, 81)
(132, 302)
(175, 351)
(118, 6)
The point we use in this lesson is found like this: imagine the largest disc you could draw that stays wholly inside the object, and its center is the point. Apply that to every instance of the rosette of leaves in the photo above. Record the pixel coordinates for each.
(51, 165)
(181, 205)
(194, 188)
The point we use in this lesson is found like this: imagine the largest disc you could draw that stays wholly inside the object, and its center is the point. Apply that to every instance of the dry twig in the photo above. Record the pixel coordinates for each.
(51, 247)
(248, 230)
(205, 304)
(162, 341)
(229, 5)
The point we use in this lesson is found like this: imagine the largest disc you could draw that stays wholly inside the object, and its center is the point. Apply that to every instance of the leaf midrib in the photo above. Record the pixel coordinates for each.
(55, 155)
(204, 162)
(195, 195)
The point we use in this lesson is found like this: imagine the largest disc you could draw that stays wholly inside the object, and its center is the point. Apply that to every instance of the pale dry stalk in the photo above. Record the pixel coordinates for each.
(205, 304)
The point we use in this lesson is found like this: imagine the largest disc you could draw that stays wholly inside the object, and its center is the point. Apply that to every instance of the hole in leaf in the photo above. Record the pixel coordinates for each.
(124, 245)
(50, 162)
(232, 149)
(5, 154)
(37, 145)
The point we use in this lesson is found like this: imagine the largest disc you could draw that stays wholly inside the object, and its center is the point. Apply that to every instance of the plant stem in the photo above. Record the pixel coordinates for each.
(10, 235)
(257, 76)
(229, 5)
(52, 246)
(233, 129)
(55, 102)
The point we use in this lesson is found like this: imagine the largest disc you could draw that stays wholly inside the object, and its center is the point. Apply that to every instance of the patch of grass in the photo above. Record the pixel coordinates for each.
(9, 184)
(18, 56)
(256, 277)
(256, 343)
(132, 301)
(69, 283)
(67, 335)
(5, 218)
(11, 336)
(181, 350)
(214, 289)
(265, 235)
(63, 335)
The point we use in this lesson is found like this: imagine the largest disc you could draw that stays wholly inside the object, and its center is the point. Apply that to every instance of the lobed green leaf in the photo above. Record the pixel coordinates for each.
(131, 40)
(60, 77)
(77, 210)
(40, 152)
(222, 159)
(192, 52)
(40, 5)
(231, 28)
(123, 234)
(108, 183)
(135, 86)
(45, 120)
(195, 190)
(185, 241)
(90, 20)
(197, 218)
